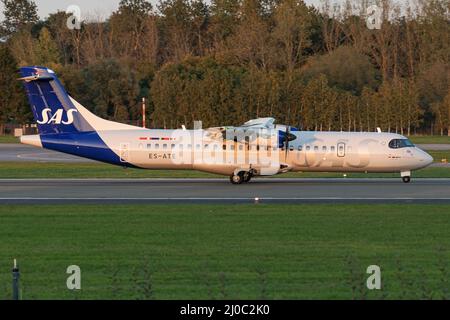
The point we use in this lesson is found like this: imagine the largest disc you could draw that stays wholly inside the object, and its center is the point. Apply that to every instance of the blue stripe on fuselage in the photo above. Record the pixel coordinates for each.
(85, 144)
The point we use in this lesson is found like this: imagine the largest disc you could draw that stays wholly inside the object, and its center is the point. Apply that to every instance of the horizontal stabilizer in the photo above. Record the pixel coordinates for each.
(35, 78)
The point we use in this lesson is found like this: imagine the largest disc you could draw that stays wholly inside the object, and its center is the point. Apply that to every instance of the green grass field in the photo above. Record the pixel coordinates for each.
(9, 139)
(439, 155)
(22, 170)
(430, 139)
(230, 251)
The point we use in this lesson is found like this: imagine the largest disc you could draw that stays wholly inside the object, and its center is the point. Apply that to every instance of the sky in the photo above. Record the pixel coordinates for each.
(93, 8)
(88, 7)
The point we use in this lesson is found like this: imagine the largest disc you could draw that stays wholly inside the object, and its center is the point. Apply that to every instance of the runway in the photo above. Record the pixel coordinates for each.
(184, 191)
(22, 153)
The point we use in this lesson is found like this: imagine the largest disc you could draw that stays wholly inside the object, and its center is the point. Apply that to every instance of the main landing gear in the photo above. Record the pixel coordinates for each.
(406, 176)
(241, 177)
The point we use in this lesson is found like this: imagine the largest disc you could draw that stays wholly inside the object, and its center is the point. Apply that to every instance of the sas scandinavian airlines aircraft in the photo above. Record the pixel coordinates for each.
(257, 148)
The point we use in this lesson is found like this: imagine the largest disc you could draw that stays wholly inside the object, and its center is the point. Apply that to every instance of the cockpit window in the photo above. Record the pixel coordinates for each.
(400, 143)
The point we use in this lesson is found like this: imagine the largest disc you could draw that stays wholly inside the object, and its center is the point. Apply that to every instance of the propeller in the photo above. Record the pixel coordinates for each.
(287, 135)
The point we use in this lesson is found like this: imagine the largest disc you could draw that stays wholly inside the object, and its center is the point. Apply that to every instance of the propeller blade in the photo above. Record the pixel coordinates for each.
(286, 143)
(288, 128)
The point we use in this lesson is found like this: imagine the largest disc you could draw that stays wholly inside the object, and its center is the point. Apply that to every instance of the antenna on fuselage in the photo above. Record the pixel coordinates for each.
(378, 129)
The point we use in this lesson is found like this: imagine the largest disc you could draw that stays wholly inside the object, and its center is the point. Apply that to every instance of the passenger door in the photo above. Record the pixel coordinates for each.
(341, 149)
(124, 152)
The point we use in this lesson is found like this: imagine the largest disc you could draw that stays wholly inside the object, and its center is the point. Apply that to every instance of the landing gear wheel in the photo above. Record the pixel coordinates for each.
(406, 179)
(247, 177)
(238, 178)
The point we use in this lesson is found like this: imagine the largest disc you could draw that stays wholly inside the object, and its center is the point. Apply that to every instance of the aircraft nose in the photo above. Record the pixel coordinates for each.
(428, 159)
(425, 159)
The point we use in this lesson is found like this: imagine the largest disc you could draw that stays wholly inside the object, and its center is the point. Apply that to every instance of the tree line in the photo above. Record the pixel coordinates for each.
(227, 61)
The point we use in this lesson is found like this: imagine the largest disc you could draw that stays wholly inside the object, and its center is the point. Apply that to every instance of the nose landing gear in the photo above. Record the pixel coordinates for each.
(406, 176)
(406, 179)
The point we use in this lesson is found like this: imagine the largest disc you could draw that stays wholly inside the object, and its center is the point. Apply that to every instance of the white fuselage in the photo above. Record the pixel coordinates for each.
(310, 151)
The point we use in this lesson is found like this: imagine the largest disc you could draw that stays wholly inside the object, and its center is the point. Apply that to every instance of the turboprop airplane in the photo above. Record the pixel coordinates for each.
(257, 148)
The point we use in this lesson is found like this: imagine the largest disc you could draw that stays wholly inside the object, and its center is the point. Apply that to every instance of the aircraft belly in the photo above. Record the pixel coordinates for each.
(352, 163)
(222, 169)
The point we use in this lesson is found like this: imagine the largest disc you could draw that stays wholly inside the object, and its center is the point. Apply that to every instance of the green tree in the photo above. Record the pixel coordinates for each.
(200, 89)
(368, 109)
(293, 22)
(47, 53)
(200, 14)
(133, 31)
(176, 27)
(345, 68)
(112, 90)
(18, 14)
(13, 106)
(224, 20)
(56, 24)
(442, 111)
(24, 47)
(319, 105)
(251, 43)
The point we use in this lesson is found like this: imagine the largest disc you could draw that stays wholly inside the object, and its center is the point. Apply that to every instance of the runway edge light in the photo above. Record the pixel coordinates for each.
(15, 281)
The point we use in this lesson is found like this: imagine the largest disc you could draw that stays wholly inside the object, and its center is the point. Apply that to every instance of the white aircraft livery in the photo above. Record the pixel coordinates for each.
(257, 148)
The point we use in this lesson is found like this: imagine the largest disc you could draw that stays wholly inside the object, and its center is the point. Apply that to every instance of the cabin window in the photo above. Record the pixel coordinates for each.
(232, 147)
(291, 148)
(156, 146)
(149, 146)
(197, 147)
(241, 147)
(189, 146)
(275, 148)
(316, 148)
(324, 148)
(224, 147)
(216, 147)
(164, 146)
(173, 146)
(180, 146)
(300, 147)
(308, 148)
(332, 148)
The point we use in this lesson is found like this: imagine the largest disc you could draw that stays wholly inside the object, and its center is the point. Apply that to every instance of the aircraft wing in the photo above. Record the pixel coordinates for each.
(267, 123)
(260, 126)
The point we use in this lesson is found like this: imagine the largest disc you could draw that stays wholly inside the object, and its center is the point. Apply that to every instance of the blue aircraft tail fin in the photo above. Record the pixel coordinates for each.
(53, 109)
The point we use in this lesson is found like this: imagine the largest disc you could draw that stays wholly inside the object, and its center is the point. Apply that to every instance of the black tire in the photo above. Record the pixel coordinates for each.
(406, 179)
(237, 179)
